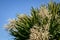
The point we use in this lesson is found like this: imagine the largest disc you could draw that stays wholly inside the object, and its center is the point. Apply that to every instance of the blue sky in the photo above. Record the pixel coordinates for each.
(9, 9)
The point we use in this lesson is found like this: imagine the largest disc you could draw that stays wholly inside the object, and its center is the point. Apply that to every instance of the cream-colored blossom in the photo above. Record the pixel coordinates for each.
(21, 15)
(37, 33)
(44, 12)
(11, 24)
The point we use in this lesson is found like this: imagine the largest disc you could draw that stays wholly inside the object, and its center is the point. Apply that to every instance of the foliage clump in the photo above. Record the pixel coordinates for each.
(43, 24)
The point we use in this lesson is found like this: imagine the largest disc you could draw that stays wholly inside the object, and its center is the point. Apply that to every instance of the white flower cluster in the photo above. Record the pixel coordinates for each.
(37, 33)
(44, 12)
(11, 24)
